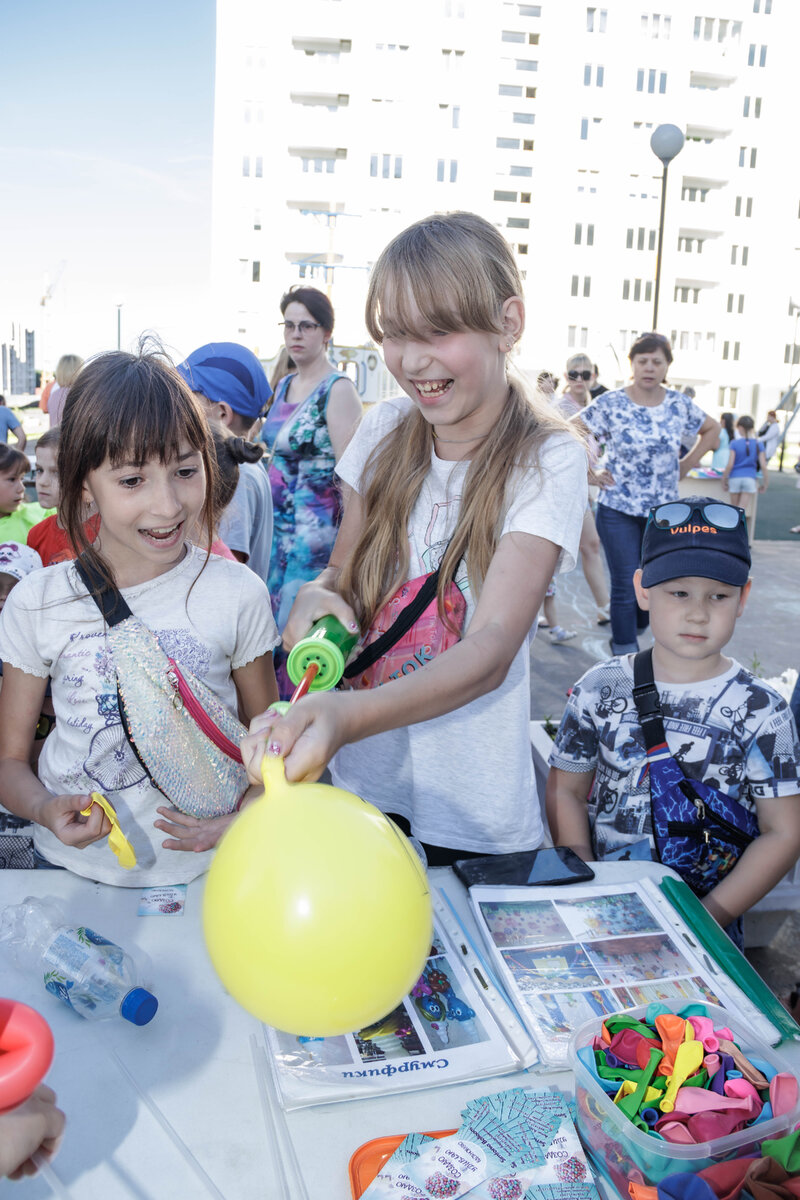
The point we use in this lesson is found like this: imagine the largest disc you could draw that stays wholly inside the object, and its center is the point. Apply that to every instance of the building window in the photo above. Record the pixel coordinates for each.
(256, 272)
(259, 167)
(257, 219)
(526, 64)
(656, 25)
(596, 19)
(509, 89)
(512, 35)
(584, 128)
(574, 288)
(530, 10)
(504, 197)
(449, 170)
(654, 79)
(587, 285)
(745, 255)
(523, 118)
(694, 194)
(526, 172)
(505, 143)
(756, 52)
(246, 165)
(524, 197)
(597, 72)
(518, 223)
(751, 106)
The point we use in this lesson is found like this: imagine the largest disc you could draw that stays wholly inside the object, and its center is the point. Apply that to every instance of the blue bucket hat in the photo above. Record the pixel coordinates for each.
(227, 373)
(696, 536)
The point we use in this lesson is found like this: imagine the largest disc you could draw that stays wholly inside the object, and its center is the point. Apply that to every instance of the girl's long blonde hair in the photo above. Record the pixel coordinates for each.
(452, 272)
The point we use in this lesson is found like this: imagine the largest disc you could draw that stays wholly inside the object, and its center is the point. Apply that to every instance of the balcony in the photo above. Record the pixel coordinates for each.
(714, 158)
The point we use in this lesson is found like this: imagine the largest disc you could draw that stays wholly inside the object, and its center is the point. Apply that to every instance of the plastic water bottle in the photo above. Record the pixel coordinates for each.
(93, 976)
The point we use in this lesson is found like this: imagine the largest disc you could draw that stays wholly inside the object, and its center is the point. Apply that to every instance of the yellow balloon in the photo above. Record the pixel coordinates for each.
(317, 911)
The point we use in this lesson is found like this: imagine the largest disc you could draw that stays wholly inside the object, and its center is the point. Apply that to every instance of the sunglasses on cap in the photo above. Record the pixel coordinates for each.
(584, 375)
(677, 512)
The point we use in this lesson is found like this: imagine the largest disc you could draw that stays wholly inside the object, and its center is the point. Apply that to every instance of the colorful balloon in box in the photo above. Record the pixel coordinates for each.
(638, 1079)
(317, 911)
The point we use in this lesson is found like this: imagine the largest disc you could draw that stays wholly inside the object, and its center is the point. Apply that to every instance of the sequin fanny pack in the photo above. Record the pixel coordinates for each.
(181, 732)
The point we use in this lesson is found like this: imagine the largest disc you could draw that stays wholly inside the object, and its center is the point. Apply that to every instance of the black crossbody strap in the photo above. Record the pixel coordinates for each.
(107, 598)
(405, 619)
(645, 697)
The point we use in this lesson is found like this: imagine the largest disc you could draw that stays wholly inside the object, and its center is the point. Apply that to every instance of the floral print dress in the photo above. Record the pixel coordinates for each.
(305, 498)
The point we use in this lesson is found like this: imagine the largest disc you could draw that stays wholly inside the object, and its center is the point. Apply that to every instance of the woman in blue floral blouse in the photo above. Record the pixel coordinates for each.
(641, 428)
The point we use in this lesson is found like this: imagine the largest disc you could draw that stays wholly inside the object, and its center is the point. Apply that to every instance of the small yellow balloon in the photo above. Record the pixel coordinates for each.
(317, 911)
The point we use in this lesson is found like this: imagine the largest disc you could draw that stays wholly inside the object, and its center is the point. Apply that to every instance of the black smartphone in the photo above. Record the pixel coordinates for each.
(550, 865)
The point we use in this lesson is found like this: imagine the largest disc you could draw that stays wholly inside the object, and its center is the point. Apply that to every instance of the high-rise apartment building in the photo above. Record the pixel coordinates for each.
(18, 363)
(339, 121)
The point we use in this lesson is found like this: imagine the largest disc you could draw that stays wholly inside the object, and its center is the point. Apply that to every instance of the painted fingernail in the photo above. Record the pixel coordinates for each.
(273, 748)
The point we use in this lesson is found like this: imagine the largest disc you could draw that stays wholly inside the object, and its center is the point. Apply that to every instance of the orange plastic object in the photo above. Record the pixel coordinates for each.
(368, 1159)
(26, 1052)
(672, 1031)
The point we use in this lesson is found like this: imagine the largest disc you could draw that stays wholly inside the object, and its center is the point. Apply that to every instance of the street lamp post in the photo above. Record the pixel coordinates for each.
(666, 142)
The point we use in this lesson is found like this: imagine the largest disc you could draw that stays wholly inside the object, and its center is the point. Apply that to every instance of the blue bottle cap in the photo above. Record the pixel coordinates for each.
(139, 1006)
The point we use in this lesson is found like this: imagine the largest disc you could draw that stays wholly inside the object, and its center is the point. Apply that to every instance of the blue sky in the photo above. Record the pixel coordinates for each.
(106, 140)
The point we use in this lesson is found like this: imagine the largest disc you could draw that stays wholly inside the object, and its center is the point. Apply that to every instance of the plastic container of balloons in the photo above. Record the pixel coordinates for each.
(619, 1151)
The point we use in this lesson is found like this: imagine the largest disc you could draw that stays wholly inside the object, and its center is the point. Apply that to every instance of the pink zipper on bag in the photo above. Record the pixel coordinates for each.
(185, 696)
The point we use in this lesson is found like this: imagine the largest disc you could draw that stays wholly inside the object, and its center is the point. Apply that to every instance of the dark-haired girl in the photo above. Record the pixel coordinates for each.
(16, 516)
(135, 448)
(641, 427)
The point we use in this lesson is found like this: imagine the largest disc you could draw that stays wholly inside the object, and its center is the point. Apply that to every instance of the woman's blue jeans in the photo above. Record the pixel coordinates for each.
(621, 538)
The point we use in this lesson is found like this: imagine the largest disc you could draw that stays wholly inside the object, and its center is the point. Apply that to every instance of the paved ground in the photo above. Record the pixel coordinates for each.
(767, 637)
(766, 640)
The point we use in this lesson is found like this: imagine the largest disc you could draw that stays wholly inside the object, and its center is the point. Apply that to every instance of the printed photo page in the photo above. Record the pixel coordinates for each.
(595, 950)
(453, 1026)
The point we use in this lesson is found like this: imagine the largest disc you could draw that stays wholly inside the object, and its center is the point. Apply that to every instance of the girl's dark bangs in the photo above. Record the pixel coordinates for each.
(160, 420)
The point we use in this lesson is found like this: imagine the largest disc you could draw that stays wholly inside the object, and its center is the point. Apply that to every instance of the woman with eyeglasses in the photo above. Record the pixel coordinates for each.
(579, 374)
(641, 428)
(313, 416)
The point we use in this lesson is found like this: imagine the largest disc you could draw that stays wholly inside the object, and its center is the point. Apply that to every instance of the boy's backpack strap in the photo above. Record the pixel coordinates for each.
(107, 598)
(645, 697)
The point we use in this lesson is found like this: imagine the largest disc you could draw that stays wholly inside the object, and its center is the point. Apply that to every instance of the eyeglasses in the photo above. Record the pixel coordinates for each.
(302, 327)
(674, 514)
(584, 375)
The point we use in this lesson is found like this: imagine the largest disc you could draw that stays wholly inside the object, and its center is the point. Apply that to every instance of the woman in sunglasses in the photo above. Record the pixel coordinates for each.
(312, 418)
(641, 428)
(579, 374)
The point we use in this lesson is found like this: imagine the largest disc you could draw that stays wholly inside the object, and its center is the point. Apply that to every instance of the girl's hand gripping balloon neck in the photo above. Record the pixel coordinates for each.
(306, 736)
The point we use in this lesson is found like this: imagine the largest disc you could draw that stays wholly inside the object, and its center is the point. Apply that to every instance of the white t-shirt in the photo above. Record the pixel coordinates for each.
(51, 627)
(466, 779)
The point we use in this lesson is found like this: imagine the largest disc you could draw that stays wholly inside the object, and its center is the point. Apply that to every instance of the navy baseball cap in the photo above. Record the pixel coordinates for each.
(228, 373)
(696, 536)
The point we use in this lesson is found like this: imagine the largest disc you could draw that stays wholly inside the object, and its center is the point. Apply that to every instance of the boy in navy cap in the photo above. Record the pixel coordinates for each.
(723, 726)
(230, 381)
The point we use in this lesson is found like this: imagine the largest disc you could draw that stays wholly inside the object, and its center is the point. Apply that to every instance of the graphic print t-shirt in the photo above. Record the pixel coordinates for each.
(733, 732)
(51, 627)
(641, 446)
(465, 779)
